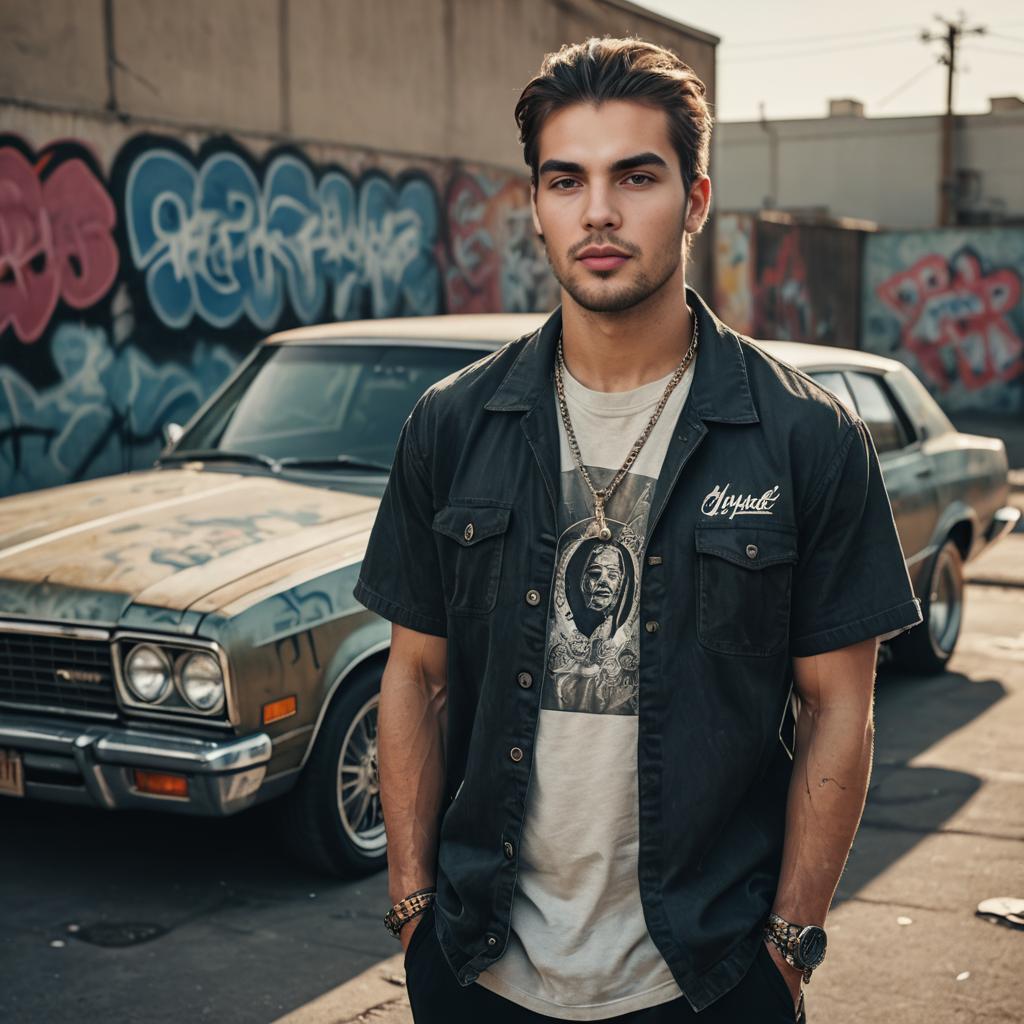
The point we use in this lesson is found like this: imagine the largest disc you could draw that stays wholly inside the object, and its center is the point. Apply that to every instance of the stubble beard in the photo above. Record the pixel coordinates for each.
(637, 291)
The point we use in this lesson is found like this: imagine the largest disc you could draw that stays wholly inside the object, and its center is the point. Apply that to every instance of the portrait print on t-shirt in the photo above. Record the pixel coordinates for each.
(593, 656)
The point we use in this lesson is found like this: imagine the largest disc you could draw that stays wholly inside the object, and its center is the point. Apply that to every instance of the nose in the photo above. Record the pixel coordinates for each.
(600, 212)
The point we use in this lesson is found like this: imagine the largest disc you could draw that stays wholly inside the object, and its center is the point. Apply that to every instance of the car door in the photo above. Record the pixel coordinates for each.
(906, 467)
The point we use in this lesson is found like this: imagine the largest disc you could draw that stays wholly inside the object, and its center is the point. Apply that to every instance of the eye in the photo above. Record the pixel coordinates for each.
(562, 181)
(644, 178)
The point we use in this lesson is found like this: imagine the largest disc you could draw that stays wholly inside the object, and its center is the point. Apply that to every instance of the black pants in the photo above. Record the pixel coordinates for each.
(760, 997)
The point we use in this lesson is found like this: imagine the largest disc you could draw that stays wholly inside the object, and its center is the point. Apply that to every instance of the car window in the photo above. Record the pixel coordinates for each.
(836, 383)
(318, 401)
(918, 402)
(878, 412)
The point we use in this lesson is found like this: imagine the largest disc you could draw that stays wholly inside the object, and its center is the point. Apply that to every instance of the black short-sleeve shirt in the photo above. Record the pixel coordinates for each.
(770, 536)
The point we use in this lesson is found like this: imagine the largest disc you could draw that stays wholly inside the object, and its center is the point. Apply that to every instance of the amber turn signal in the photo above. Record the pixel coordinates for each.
(278, 709)
(160, 783)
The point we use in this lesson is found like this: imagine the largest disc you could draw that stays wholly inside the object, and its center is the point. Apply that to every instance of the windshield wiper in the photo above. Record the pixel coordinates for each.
(350, 461)
(220, 455)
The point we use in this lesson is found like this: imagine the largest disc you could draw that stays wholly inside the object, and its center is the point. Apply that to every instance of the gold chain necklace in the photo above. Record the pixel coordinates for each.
(601, 497)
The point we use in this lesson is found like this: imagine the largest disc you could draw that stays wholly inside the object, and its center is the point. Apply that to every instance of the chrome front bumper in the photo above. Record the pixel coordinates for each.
(1003, 522)
(92, 764)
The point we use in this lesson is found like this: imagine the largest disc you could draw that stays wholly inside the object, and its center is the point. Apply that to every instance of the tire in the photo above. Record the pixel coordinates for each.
(332, 819)
(925, 649)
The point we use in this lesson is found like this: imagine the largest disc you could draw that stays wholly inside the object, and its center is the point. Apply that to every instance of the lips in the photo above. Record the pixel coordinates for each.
(604, 257)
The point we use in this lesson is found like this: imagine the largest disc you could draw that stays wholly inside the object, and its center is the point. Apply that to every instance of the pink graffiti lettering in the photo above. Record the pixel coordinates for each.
(953, 319)
(55, 240)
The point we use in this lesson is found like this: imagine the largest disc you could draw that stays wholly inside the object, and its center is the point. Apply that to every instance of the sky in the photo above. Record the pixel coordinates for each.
(795, 55)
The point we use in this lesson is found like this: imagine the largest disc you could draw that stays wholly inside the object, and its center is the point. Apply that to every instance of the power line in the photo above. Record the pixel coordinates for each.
(799, 40)
(991, 49)
(906, 85)
(817, 51)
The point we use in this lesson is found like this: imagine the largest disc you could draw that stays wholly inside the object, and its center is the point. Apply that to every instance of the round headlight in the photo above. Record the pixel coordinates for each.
(202, 682)
(147, 673)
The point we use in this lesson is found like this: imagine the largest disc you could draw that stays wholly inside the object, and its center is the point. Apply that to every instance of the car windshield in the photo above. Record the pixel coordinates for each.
(322, 406)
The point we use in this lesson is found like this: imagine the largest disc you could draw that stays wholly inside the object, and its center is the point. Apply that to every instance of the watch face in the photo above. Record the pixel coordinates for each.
(812, 945)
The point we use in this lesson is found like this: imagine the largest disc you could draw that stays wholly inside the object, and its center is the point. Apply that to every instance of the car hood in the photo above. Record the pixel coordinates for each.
(177, 542)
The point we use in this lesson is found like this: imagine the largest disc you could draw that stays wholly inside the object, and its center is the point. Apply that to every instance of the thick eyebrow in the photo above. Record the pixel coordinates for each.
(627, 163)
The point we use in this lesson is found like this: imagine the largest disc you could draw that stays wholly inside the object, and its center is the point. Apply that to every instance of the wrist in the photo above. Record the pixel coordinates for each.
(408, 908)
(802, 946)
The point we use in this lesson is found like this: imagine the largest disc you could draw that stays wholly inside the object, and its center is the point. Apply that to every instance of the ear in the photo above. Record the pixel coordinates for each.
(533, 212)
(698, 205)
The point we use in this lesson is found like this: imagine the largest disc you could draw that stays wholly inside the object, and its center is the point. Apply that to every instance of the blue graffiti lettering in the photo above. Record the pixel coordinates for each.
(215, 244)
(106, 413)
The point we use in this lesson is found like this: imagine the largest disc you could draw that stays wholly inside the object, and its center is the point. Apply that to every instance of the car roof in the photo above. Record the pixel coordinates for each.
(495, 328)
(491, 330)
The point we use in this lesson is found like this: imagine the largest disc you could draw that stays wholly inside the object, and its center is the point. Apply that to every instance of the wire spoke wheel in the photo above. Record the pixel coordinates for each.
(358, 782)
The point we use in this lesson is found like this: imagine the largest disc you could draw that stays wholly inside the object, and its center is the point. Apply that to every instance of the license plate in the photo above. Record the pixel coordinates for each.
(12, 778)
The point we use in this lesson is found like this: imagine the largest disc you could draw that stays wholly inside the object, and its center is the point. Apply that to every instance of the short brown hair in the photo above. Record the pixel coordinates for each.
(605, 68)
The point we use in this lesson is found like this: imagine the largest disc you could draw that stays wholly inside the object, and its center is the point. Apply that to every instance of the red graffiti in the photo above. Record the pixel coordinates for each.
(56, 242)
(783, 302)
(953, 318)
(494, 262)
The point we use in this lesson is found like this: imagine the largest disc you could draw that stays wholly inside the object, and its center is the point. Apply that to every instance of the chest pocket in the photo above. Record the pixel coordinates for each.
(472, 545)
(744, 587)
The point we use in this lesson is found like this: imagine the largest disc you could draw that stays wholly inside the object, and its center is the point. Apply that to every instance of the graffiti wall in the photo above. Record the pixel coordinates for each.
(131, 287)
(950, 305)
(780, 280)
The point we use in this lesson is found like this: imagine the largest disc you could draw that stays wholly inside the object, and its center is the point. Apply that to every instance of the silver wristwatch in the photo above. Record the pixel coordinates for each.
(801, 946)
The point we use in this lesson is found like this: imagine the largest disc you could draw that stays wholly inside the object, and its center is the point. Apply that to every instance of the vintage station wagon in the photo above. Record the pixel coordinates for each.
(184, 637)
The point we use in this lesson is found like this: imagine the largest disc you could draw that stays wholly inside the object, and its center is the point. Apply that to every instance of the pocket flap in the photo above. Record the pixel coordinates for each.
(468, 524)
(750, 547)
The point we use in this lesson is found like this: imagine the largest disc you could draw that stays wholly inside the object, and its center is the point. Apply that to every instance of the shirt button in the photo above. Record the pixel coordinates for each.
(525, 680)
(533, 596)
(508, 850)
(654, 559)
(751, 551)
(516, 753)
(651, 626)
(468, 531)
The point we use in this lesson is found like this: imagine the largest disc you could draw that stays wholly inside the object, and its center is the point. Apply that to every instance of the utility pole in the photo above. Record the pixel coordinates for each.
(950, 38)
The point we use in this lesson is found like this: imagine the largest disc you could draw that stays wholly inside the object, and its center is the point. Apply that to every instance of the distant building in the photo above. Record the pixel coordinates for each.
(881, 169)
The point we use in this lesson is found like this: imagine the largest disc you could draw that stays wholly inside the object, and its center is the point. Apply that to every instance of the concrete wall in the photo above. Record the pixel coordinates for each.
(948, 303)
(179, 179)
(438, 78)
(778, 279)
(880, 169)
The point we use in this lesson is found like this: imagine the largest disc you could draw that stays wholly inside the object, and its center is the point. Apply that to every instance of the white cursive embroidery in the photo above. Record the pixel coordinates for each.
(720, 503)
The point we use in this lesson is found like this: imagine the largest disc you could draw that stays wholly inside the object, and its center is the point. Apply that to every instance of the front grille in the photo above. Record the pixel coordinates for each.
(37, 670)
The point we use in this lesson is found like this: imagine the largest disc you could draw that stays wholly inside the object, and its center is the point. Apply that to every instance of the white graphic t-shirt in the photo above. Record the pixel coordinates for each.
(579, 947)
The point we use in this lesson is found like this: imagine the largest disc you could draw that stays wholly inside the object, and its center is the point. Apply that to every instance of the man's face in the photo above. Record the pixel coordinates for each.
(608, 178)
(602, 579)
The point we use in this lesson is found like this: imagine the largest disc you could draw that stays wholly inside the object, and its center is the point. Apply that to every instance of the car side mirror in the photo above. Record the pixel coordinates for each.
(172, 433)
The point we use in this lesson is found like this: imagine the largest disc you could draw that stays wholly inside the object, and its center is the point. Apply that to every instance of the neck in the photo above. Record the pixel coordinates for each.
(625, 350)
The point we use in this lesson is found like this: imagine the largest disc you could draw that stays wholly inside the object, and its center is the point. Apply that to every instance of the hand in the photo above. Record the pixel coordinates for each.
(793, 976)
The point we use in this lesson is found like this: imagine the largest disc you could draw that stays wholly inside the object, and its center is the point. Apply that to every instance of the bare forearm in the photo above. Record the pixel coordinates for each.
(831, 770)
(411, 735)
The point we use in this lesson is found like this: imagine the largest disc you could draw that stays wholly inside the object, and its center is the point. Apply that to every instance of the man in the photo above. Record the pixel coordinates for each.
(610, 551)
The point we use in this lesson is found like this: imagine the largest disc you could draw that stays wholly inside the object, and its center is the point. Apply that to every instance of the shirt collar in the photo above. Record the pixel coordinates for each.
(720, 391)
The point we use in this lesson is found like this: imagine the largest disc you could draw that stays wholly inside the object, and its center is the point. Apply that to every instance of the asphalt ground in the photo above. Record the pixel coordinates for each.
(137, 917)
